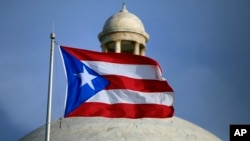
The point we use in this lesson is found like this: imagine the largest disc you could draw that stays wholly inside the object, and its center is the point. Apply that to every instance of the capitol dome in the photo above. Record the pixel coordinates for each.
(121, 129)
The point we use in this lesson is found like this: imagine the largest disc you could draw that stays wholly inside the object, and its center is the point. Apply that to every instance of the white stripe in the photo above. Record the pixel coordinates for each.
(130, 70)
(133, 97)
(64, 66)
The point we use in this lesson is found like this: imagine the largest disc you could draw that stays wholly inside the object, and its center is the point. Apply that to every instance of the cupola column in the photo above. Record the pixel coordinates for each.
(142, 51)
(104, 48)
(118, 46)
(137, 48)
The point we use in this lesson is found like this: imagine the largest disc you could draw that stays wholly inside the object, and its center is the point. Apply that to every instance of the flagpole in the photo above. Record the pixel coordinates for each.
(48, 119)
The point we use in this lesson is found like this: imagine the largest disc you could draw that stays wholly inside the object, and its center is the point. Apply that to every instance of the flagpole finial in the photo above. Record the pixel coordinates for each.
(53, 35)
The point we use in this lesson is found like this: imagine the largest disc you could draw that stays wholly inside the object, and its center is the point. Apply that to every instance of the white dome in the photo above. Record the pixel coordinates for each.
(115, 129)
(124, 21)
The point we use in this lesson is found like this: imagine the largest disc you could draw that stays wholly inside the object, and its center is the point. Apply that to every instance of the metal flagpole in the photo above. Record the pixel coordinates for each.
(48, 119)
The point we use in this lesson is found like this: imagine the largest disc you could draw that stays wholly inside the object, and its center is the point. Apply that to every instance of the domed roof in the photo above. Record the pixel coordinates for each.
(124, 21)
(115, 129)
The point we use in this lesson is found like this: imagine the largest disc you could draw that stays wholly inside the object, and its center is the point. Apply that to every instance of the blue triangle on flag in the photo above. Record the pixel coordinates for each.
(83, 82)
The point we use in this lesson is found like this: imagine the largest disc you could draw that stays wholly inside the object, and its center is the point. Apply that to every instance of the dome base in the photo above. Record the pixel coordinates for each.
(99, 128)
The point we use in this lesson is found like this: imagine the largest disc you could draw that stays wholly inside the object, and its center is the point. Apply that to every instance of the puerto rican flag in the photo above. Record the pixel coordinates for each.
(115, 85)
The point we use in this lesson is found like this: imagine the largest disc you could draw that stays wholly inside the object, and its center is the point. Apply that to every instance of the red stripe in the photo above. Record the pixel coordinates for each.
(143, 85)
(122, 110)
(120, 58)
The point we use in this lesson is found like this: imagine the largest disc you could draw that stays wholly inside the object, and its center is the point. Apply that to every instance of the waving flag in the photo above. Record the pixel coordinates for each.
(115, 85)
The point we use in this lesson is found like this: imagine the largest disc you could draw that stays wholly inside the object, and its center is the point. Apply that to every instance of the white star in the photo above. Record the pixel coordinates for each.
(86, 78)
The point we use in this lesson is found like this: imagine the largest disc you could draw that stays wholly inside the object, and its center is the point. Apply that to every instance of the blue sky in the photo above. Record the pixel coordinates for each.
(203, 48)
